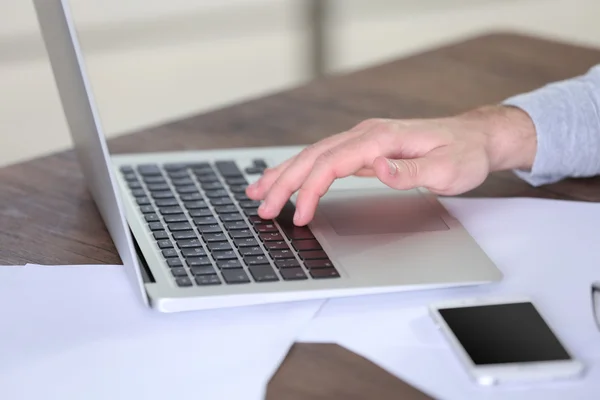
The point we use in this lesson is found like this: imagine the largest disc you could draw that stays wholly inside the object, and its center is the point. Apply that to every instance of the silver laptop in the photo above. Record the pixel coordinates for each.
(190, 238)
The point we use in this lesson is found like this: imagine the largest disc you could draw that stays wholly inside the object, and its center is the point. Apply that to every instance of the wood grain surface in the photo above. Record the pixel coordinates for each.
(48, 217)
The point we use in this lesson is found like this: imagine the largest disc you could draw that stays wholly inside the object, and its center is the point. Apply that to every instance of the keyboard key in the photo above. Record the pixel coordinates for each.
(183, 282)
(290, 263)
(241, 234)
(191, 197)
(249, 204)
(236, 181)
(293, 274)
(256, 260)
(286, 221)
(143, 201)
(178, 174)
(204, 270)
(228, 169)
(201, 212)
(151, 217)
(235, 225)
(260, 163)
(266, 228)
(157, 187)
(219, 246)
(214, 228)
(324, 273)
(175, 218)
(194, 252)
(126, 169)
(253, 170)
(156, 226)
(170, 210)
(168, 253)
(198, 261)
(149, 170)
(147, 209)
(195, 205)
(174, 262)
(209, 177)
(202, 164)
(174, 167)
(313, 255)
(167, 202)
(221, 201)
(251, 212)
(229, 264)
(134, 185)
(164, 244)
(138, 193)
(130, 177)
(213, 194)
(279, 245)
(231, 217)
(186, 189)
(166, 194)
(226, 209)
(271, 237)
(260, 221)
(298, 233)
(154, 179)
(179, 226)
(224, 255)
(178, 271)
(184, 181)
(206, 280)
(189, 243)
(315, 264)
(281, 254)
(263, 273)
(239, 189)
(159, 235)
(183, 235)
(205, 221)
(301, 245)
(241, 197)
(211, 185)
(247, 242)
(203, 170)
(251, 251)
(214, 237)
(234, 276)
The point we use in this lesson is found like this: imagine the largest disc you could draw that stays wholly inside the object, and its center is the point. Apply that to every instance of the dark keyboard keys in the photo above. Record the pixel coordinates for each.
(168, 253)
(228, 169)
(253, 170)
(198, 261)
(154, 179)
(183, 235)
(164, 244)
(241, 234)
(157, 187)
(293, 274)
(178, 271)
(236, 181)
(241, 197)
(214, 228)
(204, 270)
(256, 260)
(211, 185)
(205, 220)
(246, 242)
(159, 235)
(224, 255)
(290, 263)
(241, 189)
(251, 251)
(231, 217)
(281, 254)
(226, 209)
(298, 233)
(235, 225)
(234, 276)
(179, 226)
(186, 189)
(156, 226)
(201, 212)
(301, 245)
(174, 262)
(279, 245)
(138, 193)
(178, 174)
(316, 264)
(260, 163)
(147, 209)
(206, 280)
(249, 204)
(229, 264)
(251, 212)
(151, 218)
(209, 177)
(214, 237)
(170, 210)
(189, 243)
(194, 252)
(134, 185)
(174, 167)
(166, 194)
(324, 273)
(191, 197)
(166, 202)
(149, 170)
(126, 169)
(312, 255)
(271, 237)
(213, 194)
(175, 218)
(195, 205)
(143, 201)
(203, 170)
(182, 182)
(221, 201)
(201, 164)
(183, 282)
(266, 228)
(263, 273)
(219, 246)
(130, 177)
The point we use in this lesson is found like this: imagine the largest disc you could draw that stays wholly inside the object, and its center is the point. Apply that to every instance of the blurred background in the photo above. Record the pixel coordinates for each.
(152, 61)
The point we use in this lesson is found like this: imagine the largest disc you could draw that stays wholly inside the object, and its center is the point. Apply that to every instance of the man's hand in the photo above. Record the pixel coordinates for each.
(448, 156)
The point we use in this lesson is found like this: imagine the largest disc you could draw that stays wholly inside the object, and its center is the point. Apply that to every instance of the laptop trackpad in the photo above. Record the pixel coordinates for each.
(370, 212)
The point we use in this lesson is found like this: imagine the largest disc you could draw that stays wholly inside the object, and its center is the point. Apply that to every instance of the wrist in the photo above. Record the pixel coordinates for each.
(510, 138)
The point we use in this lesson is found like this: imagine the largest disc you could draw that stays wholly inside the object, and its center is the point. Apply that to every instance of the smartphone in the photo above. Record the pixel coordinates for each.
(504, 341)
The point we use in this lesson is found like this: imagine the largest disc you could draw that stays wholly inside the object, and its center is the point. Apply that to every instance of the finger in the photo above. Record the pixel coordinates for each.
(411, 173)
(269, 176)
(343, 161)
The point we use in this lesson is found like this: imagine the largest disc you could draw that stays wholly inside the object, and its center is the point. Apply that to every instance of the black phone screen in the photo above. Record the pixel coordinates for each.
(504, 333)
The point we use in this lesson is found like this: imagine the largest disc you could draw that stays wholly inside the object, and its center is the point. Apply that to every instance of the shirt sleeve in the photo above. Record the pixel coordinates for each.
(567, 122)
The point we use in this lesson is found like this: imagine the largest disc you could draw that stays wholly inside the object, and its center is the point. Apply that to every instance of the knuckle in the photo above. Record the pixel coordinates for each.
(412, 168)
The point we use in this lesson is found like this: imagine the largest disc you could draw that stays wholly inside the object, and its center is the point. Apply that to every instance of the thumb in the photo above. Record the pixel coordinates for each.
(406, 174)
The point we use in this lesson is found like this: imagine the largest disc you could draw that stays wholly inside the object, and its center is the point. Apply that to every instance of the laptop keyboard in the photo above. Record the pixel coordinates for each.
(209, 232)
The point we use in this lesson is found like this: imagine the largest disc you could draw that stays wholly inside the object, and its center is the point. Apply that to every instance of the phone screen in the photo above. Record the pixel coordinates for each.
(504, 333)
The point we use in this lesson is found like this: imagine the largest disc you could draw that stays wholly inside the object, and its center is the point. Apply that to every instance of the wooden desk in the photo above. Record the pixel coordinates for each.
(47, 216)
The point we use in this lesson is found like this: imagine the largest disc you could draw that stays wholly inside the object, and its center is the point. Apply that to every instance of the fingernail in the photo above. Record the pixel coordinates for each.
(263, 207)
(297, 217)
(393, 167)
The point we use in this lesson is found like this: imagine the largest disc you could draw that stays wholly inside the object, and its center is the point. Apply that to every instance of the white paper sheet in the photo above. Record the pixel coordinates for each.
(79, 332)
(548, 250)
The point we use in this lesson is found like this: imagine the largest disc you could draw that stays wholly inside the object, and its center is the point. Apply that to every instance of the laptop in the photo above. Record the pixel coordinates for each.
(190, 239)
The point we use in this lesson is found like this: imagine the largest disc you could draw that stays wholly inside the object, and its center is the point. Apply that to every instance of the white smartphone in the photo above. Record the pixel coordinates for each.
(504, 341)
